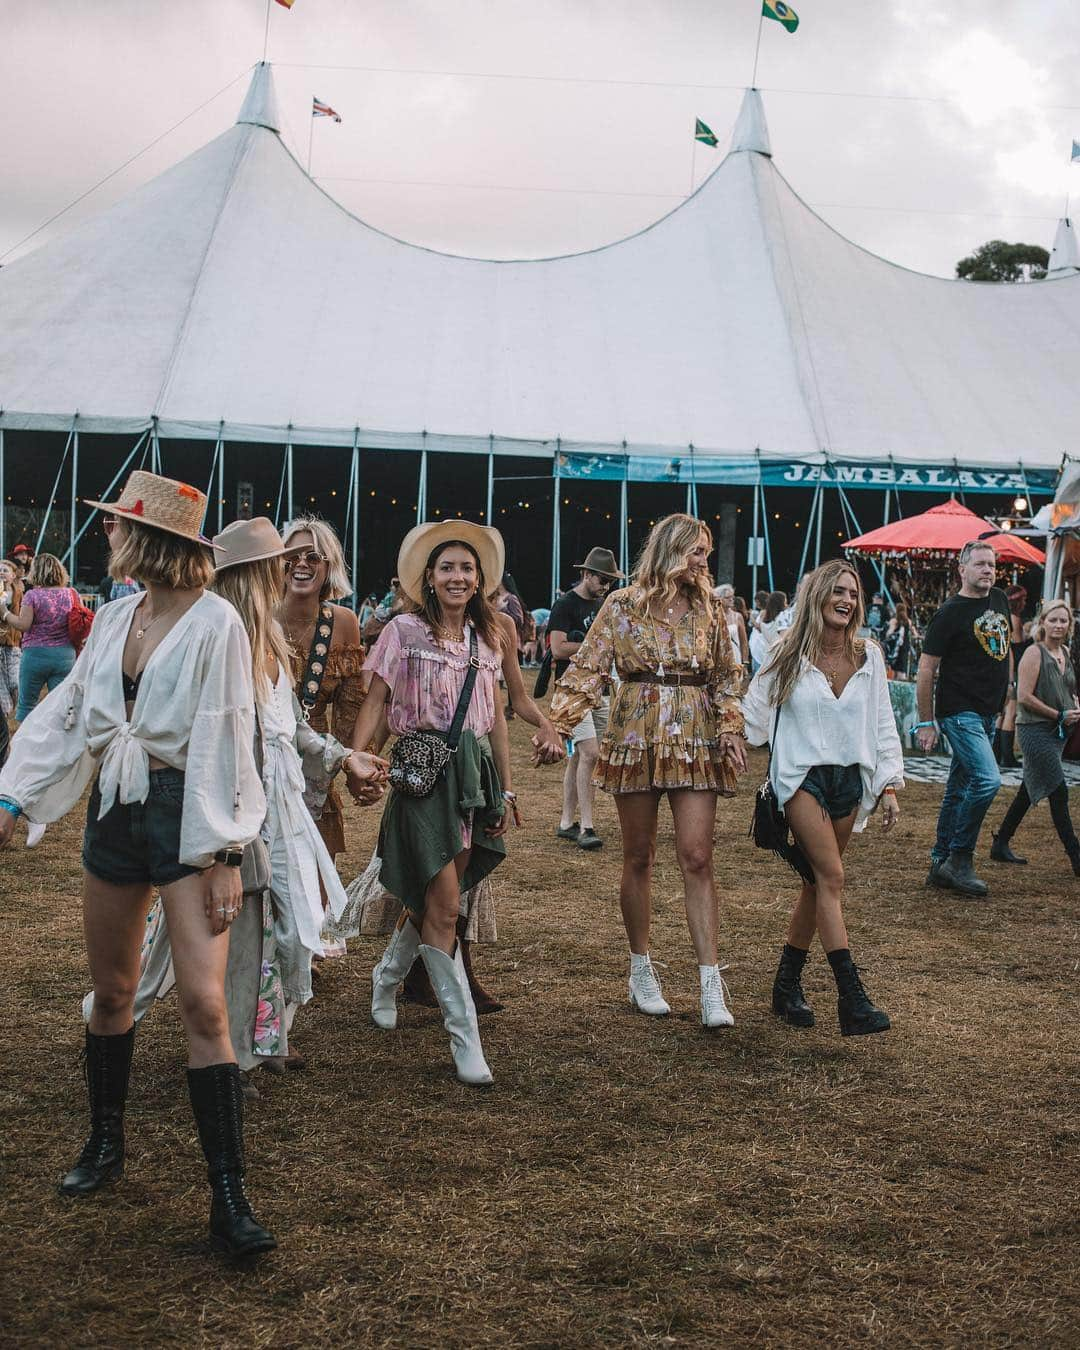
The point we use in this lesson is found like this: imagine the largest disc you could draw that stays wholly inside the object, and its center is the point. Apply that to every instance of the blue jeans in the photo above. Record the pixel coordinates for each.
(48, 666)
(973, 783)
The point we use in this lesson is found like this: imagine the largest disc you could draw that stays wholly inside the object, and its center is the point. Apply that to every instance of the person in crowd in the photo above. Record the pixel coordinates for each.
(787, 616)
(736, 625)
(760, 599)
(568, 623)
(434, 669)
(1048, 711)
(160, 707)
(822, 702)
(393, 602)
(23, 554)
(42, 620)
(898, 644)
(967, 649)
(766, 630)
(327, 656)
(1005, 736)
(507, 601)
(367, 610)
(11, 594)
(877, 615)
(675, 730)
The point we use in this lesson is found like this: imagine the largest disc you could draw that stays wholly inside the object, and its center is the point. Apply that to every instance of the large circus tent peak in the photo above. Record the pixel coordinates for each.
(944, 529)
(231, 296)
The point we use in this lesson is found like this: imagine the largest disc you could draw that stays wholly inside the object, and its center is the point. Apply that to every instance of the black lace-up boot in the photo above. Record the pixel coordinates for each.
(788, 999)
(217, 1102)
(858, 1015)
(107, 1068)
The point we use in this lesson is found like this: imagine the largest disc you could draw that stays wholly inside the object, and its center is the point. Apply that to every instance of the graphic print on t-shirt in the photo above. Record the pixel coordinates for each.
(992, 634)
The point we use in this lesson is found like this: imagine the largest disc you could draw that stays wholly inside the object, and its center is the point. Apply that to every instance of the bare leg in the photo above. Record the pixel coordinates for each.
(819, 906)
(637, 820)
(569, 793)
(442, 902)
(694, 814)
(199, 959)
(586, 754)
(114, 919)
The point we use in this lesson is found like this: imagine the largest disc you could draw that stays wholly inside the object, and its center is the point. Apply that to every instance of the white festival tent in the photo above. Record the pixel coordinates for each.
(738, 337)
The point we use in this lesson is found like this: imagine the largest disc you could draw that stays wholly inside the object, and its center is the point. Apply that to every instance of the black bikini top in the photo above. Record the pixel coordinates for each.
(131, 686)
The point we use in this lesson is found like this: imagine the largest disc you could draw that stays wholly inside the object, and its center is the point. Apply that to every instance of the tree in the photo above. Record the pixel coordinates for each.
(999, 261)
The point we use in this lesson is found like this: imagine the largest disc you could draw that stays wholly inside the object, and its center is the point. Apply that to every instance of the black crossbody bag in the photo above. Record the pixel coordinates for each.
(419, 758)
(769, 827)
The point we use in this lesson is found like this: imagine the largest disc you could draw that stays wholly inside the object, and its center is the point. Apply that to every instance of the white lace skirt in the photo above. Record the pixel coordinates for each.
(372, 911)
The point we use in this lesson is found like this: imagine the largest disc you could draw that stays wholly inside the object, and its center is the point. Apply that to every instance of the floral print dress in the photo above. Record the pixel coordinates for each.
(659, 736)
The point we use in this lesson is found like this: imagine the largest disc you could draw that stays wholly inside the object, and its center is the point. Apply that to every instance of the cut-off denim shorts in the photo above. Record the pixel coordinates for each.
(838, 787)
(139, 843)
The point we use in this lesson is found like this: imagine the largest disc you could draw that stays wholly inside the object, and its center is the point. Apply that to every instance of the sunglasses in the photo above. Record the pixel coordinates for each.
(312, 559)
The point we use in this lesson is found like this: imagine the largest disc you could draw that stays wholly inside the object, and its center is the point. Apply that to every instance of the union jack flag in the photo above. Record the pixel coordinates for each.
(321, 109)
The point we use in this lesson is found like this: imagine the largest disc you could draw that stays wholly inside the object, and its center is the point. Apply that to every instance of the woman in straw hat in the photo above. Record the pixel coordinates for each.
(160, 707)
(1047, 712)
(675, 730)
(434, 847)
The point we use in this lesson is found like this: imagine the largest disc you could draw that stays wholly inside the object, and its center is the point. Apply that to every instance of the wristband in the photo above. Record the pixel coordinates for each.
(12, 807)
(919, 725)
(509, 796)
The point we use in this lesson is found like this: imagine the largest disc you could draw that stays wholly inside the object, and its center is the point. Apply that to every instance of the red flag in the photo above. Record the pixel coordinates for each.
(288, 4)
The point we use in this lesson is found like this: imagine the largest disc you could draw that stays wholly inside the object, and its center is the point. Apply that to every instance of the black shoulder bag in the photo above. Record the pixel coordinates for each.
(769, 827)
(419, 758)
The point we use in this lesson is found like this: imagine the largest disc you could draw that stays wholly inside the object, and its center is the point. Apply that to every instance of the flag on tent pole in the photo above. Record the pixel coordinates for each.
(286, 4)
(703, 133)
(776, 9)
(321, 109)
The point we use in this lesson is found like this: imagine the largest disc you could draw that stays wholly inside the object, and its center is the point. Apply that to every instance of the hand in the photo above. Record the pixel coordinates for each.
(890, 810)
(7, 827)
(363, 772)
(547, 745)
(926, 738)
(733, 748)
(1072, 716)
(222, 896)
(500, 827)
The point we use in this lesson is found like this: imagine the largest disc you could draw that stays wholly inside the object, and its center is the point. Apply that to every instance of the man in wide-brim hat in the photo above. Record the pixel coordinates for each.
(571, 615)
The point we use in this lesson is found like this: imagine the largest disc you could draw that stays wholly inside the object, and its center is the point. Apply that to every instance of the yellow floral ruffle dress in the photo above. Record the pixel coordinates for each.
(659, 736)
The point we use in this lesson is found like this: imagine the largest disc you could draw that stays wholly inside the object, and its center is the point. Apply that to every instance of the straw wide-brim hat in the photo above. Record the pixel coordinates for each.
(417, 546)
(161, 503)
(248, 541)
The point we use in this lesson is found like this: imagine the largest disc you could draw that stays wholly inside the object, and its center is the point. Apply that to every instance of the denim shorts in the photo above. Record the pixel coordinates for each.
(139, 843)
(838, 787)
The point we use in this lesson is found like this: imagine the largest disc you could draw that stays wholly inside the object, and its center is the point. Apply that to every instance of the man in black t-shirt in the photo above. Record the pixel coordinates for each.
(571, 615)
(967, 646)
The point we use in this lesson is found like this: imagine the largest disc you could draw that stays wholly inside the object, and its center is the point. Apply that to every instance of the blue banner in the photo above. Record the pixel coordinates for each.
(705, 469)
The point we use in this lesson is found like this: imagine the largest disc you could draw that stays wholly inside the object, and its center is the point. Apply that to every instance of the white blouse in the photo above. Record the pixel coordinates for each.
(816, 728)
(195, 711)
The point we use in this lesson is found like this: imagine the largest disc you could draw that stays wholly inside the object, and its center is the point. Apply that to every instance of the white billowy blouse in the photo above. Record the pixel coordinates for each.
(816, 727)
(195, 711)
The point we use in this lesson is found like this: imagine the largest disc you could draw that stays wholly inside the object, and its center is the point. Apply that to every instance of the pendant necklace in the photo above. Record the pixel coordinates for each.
(142, 631)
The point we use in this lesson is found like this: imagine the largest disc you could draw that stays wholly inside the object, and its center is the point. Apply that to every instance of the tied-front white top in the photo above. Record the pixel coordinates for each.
(195, 711)
(816, 728)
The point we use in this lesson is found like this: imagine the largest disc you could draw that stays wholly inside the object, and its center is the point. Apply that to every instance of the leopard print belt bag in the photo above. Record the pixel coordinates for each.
(419, 758)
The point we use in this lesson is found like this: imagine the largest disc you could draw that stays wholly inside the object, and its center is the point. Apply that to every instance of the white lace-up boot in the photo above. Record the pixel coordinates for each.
(714, 1009)
(645, 995)
(394, 964)
(448, 979)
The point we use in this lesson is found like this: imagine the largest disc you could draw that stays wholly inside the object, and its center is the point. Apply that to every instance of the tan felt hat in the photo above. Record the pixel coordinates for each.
(162, 503)
(248, 541)
(417, 546)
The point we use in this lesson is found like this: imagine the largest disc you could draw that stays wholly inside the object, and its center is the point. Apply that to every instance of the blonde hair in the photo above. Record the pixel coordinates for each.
(254, 590)
(152, 555)
(1047, 607)
(337, 584)
(803, 640)
(663, 556)
(48, 570)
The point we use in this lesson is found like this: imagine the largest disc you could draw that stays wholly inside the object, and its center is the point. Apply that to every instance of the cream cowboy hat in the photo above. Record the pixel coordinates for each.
(418, 544)
(161, 503)
(248, 541)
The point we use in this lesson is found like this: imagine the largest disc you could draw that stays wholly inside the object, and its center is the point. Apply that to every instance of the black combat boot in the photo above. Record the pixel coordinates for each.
(788, 999)
(858, 1015)
(107, 1068)
(1001, 852)
(958, 871)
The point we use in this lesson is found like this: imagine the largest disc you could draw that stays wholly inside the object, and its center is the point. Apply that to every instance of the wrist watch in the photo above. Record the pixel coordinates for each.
(230, 857)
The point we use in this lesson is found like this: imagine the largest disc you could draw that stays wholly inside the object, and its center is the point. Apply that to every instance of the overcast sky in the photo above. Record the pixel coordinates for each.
(524, 128)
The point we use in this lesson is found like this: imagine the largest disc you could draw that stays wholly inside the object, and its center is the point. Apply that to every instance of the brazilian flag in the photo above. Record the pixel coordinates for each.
(703, 133)
(776, 9)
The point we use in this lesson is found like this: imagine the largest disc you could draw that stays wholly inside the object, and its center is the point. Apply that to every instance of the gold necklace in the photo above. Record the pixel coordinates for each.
(143, 629)
(444, 633)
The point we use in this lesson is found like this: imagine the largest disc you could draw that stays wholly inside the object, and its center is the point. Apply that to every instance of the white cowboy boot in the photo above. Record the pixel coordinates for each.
(393, 966)
(645, 993)
(714, 1009)
(447, 975)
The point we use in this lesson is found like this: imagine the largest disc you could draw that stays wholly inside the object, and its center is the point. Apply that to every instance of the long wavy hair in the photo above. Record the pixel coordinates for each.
(663, 556)
(254, 591)
(479, 611)
(803, 640)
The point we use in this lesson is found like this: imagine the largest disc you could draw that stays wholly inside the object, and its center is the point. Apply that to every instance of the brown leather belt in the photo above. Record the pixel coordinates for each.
(680, 677)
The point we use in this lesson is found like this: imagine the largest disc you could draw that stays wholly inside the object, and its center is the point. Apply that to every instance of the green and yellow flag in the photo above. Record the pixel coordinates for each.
(776, 9)
(703, 133)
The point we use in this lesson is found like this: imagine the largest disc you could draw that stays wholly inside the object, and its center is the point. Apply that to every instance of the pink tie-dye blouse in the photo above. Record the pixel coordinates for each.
(425, 678)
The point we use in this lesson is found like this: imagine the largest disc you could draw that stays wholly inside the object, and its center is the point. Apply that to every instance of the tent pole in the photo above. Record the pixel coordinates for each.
(491, 480)
(809, 527)
(817, 537)
(421, 489)
(754, 565)
(52, 495)
(105, 495)
(3, 499)
(845, 502)
(555, 522)
(289, 474)
(355, 491)
(624, 528)
(281, 490)
(220, 456)
(73, 554)
(885, 513)
(768, 540)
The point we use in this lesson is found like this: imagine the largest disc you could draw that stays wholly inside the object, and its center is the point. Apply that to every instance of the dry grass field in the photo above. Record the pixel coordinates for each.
(628, 1181)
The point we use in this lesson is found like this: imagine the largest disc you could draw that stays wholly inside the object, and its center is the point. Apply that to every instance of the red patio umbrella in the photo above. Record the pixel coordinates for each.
(940, 532)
